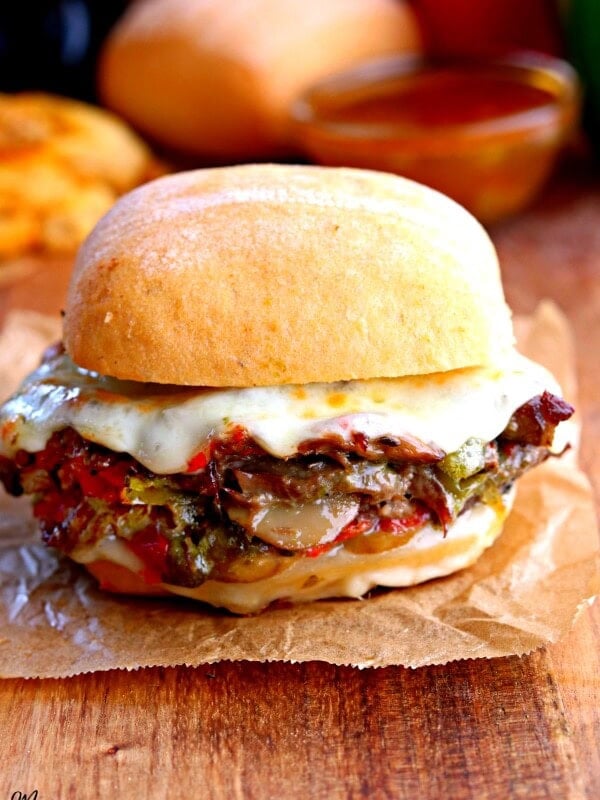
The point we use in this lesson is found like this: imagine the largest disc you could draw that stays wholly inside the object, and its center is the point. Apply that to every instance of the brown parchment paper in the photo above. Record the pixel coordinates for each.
(524, 592)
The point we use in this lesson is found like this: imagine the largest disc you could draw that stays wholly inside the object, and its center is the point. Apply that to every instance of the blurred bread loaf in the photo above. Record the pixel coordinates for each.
(62, 165)
(216, 79)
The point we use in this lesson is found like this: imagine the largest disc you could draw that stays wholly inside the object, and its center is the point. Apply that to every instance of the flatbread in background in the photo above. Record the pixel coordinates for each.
(524, 592)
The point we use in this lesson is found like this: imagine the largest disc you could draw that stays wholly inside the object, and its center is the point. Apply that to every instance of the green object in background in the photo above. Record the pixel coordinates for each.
(583, 38)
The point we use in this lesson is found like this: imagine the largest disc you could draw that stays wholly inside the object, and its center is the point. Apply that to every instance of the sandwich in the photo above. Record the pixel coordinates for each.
(279, 384)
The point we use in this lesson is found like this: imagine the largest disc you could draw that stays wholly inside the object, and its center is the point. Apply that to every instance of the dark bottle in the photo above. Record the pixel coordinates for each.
(52, 45)
(583, 29)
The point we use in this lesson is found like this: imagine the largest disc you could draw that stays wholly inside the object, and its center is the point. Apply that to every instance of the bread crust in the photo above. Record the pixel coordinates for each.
(426, 556)
(217, 78)
(269, 274)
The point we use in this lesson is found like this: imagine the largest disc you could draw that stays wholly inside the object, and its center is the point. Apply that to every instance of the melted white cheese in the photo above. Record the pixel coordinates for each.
(164, 427)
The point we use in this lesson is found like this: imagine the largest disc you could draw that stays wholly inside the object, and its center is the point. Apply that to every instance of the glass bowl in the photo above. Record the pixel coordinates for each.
(485, 132)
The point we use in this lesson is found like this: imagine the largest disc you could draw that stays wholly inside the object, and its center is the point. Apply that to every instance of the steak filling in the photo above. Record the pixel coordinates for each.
(239, 514)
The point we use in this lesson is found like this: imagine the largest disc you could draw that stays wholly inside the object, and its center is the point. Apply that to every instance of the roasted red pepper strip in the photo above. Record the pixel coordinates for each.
(415, 520)
(151, 547)
(53, 508)
(197, 462)
(364, 523)
(361, 524)
(107, 484)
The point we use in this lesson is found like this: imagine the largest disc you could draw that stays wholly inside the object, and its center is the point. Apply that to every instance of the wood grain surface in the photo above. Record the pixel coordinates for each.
(508, 728)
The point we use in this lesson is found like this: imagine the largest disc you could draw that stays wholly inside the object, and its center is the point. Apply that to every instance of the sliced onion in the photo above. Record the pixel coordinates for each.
(301, 526)
(247, 568)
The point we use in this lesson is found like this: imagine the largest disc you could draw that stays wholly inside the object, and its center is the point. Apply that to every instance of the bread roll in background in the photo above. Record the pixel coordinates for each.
(216, 79)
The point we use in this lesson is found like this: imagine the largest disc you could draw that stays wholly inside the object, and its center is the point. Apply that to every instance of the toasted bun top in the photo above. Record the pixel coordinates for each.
(271, 274)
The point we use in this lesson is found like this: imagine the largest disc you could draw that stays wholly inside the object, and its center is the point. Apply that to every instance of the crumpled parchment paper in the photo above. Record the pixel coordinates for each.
(524, 592)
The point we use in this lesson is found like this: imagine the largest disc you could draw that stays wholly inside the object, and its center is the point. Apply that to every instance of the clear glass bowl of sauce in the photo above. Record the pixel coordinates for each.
(485, 132)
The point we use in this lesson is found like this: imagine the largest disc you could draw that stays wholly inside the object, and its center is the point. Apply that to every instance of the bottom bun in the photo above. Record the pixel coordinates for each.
(339, 572)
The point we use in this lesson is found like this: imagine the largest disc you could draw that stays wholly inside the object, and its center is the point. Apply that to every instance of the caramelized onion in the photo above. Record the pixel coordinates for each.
(248, 568)
(300, 526)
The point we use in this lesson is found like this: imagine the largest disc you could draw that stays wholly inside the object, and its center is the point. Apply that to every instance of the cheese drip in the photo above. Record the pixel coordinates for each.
(163, 427)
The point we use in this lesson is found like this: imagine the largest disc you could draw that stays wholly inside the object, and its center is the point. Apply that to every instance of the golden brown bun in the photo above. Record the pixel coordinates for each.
(341, 574)
(270, 274)
(217, 78)
(64, 164)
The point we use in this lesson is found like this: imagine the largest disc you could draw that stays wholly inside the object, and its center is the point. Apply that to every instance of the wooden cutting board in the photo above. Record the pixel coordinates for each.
(508, 728)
